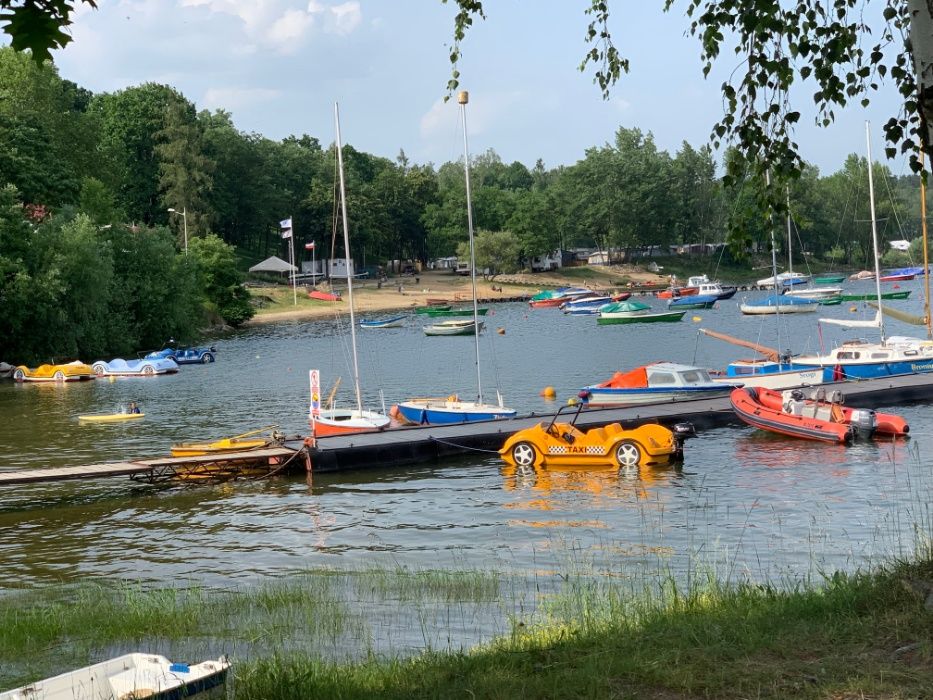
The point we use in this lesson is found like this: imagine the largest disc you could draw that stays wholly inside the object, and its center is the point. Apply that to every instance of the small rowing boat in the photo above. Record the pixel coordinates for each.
(132, 676)
(394, 322)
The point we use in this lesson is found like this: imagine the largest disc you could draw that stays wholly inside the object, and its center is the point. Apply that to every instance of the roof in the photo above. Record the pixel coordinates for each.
(273, 264)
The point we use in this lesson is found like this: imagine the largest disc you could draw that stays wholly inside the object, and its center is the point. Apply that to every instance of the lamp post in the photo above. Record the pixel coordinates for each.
(184, 216)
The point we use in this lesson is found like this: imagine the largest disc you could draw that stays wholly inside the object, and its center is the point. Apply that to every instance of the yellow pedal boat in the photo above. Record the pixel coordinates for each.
(109, 417)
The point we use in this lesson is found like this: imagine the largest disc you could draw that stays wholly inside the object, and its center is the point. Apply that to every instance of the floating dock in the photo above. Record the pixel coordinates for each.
(416, 444)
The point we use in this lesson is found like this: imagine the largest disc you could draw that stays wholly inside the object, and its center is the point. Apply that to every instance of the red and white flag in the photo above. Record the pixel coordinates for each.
(309, 246)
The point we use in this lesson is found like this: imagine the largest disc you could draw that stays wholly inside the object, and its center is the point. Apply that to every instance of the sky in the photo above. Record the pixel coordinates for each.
(278, 66)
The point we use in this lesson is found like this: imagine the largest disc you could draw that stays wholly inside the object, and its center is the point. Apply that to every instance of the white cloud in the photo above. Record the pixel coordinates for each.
(287, 31)
(231, 98)
(337, 19)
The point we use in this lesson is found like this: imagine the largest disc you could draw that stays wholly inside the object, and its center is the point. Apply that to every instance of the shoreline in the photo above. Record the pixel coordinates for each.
(275, 303)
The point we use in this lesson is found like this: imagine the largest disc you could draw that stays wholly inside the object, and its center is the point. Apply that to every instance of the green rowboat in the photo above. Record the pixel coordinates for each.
(829, 279)
(831, 301)
(481, 311)
(431, 309)
(874, 297)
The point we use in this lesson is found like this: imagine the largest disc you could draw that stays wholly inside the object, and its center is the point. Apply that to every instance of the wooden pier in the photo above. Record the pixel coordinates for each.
(415, 444)
(231, 465)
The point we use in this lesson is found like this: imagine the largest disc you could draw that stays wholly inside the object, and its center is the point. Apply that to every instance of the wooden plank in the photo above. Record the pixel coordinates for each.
(91, 471)
(95, 471)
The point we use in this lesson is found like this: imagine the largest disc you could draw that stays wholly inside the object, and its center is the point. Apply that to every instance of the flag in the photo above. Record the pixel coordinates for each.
(286, 226)
(309, 246)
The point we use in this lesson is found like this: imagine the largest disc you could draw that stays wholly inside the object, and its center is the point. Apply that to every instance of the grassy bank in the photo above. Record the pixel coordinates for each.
(853, 636)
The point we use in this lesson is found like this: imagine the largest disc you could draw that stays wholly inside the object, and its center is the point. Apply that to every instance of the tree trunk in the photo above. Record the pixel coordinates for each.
(921, 37)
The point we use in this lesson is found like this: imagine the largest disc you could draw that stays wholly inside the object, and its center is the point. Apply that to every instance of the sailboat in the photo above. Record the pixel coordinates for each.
(858, 359)
(339, 421)
(451, 409)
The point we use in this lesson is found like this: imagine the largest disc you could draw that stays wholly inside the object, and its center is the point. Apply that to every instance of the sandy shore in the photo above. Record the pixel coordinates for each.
(405, 293)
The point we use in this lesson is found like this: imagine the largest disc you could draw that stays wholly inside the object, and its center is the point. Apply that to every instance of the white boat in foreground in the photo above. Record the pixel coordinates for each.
(130, 676)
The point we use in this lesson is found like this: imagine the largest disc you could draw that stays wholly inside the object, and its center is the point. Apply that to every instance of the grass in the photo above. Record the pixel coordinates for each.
(865, 635)
(860, 636)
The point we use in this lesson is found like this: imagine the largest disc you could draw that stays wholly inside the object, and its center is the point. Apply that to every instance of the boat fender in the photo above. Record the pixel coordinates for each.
(837, 397)
(453, 397)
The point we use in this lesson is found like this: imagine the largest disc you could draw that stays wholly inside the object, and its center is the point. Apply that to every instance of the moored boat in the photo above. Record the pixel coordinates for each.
(783, 279)
(829, 278)
(323, 296)
(634, 312)
(481, 311)
(904, 294)
(697, 301)
(558, 296)
(655, 383)
(393, 322)
(815, 293)
(449, 410)
(454, 327)
(821, 417)
(778, 304)
(135, 675)
(897, 277)
(432, 307)
(70, 372)
(224, 445)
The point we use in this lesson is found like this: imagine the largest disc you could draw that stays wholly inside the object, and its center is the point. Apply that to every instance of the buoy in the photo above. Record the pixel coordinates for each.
(571, 401)
(853, 309)
(500, 331)
(697, 319)
(548, 392)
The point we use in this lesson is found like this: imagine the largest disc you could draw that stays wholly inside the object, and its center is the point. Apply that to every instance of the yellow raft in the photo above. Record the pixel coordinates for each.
(109, 417)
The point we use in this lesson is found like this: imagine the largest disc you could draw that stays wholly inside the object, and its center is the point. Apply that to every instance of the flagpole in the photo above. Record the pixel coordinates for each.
(291, 247)
(313, 267)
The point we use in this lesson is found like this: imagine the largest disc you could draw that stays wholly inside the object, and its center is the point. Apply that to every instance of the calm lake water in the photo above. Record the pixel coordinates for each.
(744, 504)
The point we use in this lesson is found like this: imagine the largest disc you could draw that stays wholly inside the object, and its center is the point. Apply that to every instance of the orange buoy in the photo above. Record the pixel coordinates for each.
(500, 331)
(548, 392)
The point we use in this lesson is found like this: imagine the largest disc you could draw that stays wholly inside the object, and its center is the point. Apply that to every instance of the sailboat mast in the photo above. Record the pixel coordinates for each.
(874, 229)
(346, 251)
(790, 259)
(774, 273)
(926, 255)
(463, 98)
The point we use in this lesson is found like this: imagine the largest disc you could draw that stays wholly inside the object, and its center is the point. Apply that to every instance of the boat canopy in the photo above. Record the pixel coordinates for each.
(625, 306)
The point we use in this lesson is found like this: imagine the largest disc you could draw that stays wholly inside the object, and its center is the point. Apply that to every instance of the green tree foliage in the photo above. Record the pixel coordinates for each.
(215, 262)
(184, 169)
(130, 121)
(496, 252)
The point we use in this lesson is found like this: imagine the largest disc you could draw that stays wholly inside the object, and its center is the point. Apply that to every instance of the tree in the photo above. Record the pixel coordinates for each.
(780, 45)
(184, 169)
(495, 251)
(220, 281)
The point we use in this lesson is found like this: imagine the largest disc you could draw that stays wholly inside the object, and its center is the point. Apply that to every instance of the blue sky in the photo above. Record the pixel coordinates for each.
(279, 65)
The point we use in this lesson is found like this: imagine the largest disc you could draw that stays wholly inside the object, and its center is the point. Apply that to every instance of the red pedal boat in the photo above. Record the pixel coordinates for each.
(820, 417)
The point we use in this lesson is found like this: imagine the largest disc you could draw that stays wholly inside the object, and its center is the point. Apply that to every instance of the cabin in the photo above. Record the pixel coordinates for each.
(547, 262)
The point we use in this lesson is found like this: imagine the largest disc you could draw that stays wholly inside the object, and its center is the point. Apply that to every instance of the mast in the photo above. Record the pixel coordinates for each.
(346, 251)
(874, 230)
(774, 277)
(463, 98)
(790, 260)
(926, 261)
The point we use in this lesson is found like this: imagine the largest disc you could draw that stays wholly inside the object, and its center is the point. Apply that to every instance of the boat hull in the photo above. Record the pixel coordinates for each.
(453, 329)
(616, 318)
(873, 297)
(754, 310)
(110, 417)
(396, 322)
(450, 412)
(346, 421)
(481, 311)
(649, 395)
(200, 449)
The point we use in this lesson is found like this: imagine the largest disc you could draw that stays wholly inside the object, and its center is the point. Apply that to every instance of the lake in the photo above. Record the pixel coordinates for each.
(744, 505)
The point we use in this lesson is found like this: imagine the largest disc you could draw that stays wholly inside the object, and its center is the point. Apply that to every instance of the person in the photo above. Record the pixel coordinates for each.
(132, 407)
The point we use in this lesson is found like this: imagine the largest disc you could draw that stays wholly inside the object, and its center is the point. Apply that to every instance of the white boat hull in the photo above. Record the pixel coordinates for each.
(814, 293)
(777, 380)
(752, 310)
(130, 676)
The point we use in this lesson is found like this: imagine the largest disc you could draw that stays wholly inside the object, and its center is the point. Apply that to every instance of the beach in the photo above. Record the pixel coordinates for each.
(276, 303)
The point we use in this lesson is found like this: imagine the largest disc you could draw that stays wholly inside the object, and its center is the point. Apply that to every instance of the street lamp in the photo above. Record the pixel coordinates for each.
(184, 216)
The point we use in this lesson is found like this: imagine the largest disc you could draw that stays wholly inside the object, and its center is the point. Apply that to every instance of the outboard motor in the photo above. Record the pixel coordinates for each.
(863, 422)
(682, 432)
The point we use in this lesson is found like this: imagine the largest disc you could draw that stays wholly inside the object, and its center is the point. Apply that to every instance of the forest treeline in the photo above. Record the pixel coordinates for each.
(97, 167)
